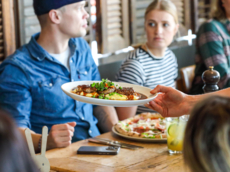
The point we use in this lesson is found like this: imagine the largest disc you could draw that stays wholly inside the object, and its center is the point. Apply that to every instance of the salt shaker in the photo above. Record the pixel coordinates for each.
(211, 78)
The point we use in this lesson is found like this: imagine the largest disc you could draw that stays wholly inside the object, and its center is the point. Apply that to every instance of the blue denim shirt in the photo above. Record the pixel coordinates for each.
(30, 88)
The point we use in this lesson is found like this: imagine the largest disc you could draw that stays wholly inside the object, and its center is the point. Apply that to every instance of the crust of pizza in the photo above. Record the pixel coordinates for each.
(120, 128)
(150, 115)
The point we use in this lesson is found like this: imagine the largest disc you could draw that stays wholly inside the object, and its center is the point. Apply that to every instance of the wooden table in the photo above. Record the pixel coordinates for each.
(154, 157)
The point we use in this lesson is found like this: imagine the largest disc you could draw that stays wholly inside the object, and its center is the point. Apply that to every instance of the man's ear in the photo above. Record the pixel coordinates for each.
(55, 16)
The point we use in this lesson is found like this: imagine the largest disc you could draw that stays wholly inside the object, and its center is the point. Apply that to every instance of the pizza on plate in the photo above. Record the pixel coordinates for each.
(145, 125)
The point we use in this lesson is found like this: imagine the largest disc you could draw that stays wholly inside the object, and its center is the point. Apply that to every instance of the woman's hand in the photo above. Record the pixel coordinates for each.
(171, 102)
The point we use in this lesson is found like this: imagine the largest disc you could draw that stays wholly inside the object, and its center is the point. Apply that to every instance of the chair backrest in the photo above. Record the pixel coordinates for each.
(108, 71)
(187, 75)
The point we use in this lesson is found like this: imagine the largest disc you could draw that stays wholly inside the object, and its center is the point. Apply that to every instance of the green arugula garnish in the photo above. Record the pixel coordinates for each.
(104, 85)
(100, 97)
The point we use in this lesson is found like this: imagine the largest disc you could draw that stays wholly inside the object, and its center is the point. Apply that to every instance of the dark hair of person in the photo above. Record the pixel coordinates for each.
(207, 136)
(218, 11)
(14, 152)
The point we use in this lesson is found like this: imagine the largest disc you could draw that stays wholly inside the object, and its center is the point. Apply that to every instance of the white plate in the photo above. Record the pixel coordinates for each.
(67, 87)
(139, 139)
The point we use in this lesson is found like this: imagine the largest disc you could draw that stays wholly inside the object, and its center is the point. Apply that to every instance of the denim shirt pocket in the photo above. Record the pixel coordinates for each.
(53, 97)
(84, 73)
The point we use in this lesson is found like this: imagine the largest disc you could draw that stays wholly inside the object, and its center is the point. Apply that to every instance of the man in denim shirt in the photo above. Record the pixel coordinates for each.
(31, 78)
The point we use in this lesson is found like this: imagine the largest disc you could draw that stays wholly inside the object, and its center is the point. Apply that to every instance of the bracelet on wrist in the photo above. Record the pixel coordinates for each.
(39, 143)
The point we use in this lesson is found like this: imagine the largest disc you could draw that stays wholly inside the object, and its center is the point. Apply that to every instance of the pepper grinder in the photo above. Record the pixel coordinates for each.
(210, 78)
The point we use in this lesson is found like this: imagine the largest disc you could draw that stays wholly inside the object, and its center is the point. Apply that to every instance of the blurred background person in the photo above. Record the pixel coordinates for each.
(213, 46)
(152, 63)
(207, 136)
(14, 156)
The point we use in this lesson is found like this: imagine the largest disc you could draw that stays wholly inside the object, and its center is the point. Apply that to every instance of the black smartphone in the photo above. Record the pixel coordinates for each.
(98, 150)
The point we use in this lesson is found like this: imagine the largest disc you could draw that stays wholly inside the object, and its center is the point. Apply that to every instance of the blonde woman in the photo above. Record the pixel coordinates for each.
(152, 63)
(207, 136)
(213, 46)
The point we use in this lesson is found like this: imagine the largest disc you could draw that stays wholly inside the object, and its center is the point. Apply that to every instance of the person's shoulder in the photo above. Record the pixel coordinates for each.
(169, 53)
(133, 59)
(19, 56)
(131, 55)
(13, 63)
(210, 25)
(137, 53)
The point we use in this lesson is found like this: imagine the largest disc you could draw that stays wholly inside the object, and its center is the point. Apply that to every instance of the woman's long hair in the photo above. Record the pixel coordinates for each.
(207, 136)
(218, 11)
(14, 154)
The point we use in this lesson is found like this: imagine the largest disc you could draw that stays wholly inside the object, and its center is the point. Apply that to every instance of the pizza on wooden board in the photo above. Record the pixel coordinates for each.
(145, 125)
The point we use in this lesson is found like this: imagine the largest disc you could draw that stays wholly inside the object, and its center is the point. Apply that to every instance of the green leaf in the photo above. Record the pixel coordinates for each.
(111, 94)
(154, 129)
(145, 134)
(153, 137)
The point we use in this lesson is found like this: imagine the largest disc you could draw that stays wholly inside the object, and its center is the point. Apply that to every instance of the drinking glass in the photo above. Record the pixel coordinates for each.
(175, 133)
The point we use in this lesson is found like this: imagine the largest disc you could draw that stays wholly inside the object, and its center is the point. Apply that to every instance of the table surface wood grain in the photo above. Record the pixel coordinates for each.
(153, 157)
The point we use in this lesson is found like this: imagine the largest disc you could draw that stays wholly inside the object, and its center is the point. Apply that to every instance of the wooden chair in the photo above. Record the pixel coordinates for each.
(187, 75)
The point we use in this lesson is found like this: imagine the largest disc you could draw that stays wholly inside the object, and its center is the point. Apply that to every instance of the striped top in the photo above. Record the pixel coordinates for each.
(143, 69)
(213, 49)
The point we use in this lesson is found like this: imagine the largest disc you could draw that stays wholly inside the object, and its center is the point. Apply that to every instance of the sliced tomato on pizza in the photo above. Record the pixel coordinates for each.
(145, 125)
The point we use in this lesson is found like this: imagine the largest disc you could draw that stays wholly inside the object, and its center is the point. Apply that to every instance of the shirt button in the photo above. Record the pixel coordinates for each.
(50, 84)
(82, 118)
(86, 72)
(90, 131)
(71, 61)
